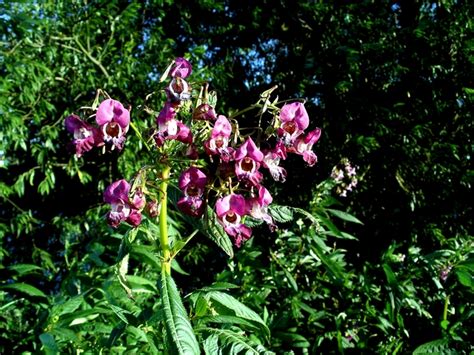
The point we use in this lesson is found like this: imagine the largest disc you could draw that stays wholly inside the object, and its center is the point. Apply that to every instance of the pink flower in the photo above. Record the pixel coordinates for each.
(178, 90)
(113, 120)
(192, 182)
(117, 195)
(247, 162)
(218, 144)
(257, 206)
(171, 128)
(271, 161)
(294, 120)
(181, 68)
(204, 112)
(304, 145)
(85, 135)
(230, 210)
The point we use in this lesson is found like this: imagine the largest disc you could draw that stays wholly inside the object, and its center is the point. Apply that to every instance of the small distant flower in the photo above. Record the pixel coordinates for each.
(247, 162)
(192, 183)
(444, 273)
(294, 120)
(117, 195)
(181, 68)
(113, 120)
(85, 135)
(230, 210)
(257, 206)
(345, 177)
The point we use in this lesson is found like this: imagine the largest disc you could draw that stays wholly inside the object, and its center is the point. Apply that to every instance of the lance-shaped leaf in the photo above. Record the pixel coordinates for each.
(181, 338)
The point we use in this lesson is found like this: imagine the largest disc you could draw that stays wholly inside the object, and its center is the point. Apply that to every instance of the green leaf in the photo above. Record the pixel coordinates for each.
(181, 338)
(238, 308)
(49, 344)
(465, 278)
(211, 345)
(391, 278)
(23, 269)
(25, 288)
(439, 346)
(280, 214)
(176, 267)
(296, 340)
(217, 234)
(232, 343)
(344, 216)
(70, 306)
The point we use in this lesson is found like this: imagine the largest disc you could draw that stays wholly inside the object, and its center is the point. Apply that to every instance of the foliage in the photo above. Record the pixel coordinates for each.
(388, 82)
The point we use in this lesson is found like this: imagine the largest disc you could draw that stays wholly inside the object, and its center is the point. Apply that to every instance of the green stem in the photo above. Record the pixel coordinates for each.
(241, 112)
(445, 311)
(165, 246)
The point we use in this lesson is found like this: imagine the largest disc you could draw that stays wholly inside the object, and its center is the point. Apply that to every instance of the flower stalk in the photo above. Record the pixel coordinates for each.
(164, 241)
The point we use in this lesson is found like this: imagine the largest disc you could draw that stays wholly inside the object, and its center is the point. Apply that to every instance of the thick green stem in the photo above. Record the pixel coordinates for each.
(165, 246)
(445, 310)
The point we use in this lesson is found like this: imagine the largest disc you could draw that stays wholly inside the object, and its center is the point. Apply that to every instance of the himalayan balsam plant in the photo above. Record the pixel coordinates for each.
(218, 170)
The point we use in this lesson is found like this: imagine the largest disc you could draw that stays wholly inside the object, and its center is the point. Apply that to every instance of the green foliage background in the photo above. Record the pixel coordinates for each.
(389, 82)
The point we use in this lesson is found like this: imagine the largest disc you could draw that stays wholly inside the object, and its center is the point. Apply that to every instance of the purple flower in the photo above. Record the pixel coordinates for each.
(271, 161)
(294, 120)
(84, 134)
(181, 68)
(171, 128)
(247, 162)
(113, 120)
(218, 144)
(117, 195)
(230, 210)
(204, 112)
(304, 145)
(257, 206)
(192, 182)
(178, 90)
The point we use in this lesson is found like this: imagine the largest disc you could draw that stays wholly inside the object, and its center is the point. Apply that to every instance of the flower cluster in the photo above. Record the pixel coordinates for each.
(344, 175)
(125, 207)
(113, 121)
(222, 167)
(178, 90)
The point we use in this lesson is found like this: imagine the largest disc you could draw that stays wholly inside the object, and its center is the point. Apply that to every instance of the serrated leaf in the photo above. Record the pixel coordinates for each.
(217, 234)
(211, 345)
(439, 346)
(25, 288)
(280, 214)
(235, 343)
(181, 338)
(120, 312)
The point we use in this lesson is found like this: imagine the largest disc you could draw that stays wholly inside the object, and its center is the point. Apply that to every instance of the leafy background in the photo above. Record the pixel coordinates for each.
(389, 83)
